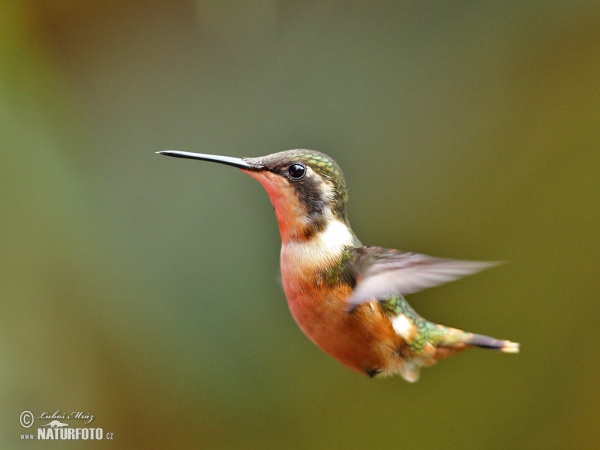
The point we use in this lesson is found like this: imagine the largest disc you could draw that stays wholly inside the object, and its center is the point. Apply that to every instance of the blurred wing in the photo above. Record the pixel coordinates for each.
(383, 272)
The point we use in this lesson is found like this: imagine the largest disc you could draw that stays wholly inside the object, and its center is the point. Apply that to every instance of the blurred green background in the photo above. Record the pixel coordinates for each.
(145, 290)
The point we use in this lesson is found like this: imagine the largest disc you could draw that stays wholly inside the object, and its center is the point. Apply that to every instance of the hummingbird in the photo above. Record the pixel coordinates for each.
(349, 298)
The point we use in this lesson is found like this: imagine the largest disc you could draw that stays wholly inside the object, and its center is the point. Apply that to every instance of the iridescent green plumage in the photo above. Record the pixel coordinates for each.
(427, 332)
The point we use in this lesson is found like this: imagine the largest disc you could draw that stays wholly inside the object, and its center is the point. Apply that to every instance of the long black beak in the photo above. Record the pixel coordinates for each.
(227, 160)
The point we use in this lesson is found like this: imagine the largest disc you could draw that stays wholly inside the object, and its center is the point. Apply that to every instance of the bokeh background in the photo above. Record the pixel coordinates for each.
(145, 290)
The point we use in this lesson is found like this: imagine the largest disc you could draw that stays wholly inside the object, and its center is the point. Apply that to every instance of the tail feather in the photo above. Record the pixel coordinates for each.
(442, 342)
(457, 340)
(494, 344)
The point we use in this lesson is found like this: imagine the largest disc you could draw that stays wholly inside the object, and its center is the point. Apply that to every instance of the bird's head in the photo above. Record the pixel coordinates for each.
(307, 188)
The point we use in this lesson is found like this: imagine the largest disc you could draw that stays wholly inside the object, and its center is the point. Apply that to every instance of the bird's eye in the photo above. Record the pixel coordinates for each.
(297, 171)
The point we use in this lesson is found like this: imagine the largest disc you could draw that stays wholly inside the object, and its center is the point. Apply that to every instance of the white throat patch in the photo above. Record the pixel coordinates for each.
(324, 247)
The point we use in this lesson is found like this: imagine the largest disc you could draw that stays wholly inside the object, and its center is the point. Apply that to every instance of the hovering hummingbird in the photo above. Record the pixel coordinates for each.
(346, 297)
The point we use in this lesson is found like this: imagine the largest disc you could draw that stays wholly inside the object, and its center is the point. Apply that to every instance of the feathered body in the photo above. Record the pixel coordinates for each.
(347, 298)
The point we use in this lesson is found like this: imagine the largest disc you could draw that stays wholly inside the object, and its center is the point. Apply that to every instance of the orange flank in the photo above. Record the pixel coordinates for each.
(364, 340)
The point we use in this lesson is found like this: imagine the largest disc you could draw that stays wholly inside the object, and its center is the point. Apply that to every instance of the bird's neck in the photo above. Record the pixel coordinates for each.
(310, 242)
(319, 250)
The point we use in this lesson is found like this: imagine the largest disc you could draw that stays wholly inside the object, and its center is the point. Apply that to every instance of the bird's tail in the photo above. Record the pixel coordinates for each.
(491, 343)
(442, 342)
(451, 340)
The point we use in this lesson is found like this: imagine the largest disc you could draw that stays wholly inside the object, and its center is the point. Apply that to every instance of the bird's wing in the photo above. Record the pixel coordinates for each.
(383, 272)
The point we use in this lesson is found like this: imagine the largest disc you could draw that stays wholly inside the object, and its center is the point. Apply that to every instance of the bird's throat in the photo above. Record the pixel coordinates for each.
(310, 244)
(322, 250)
(296, 222)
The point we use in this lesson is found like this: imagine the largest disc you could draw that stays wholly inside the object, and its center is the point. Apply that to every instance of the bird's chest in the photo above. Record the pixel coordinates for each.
(361, 340)
(310, 298)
